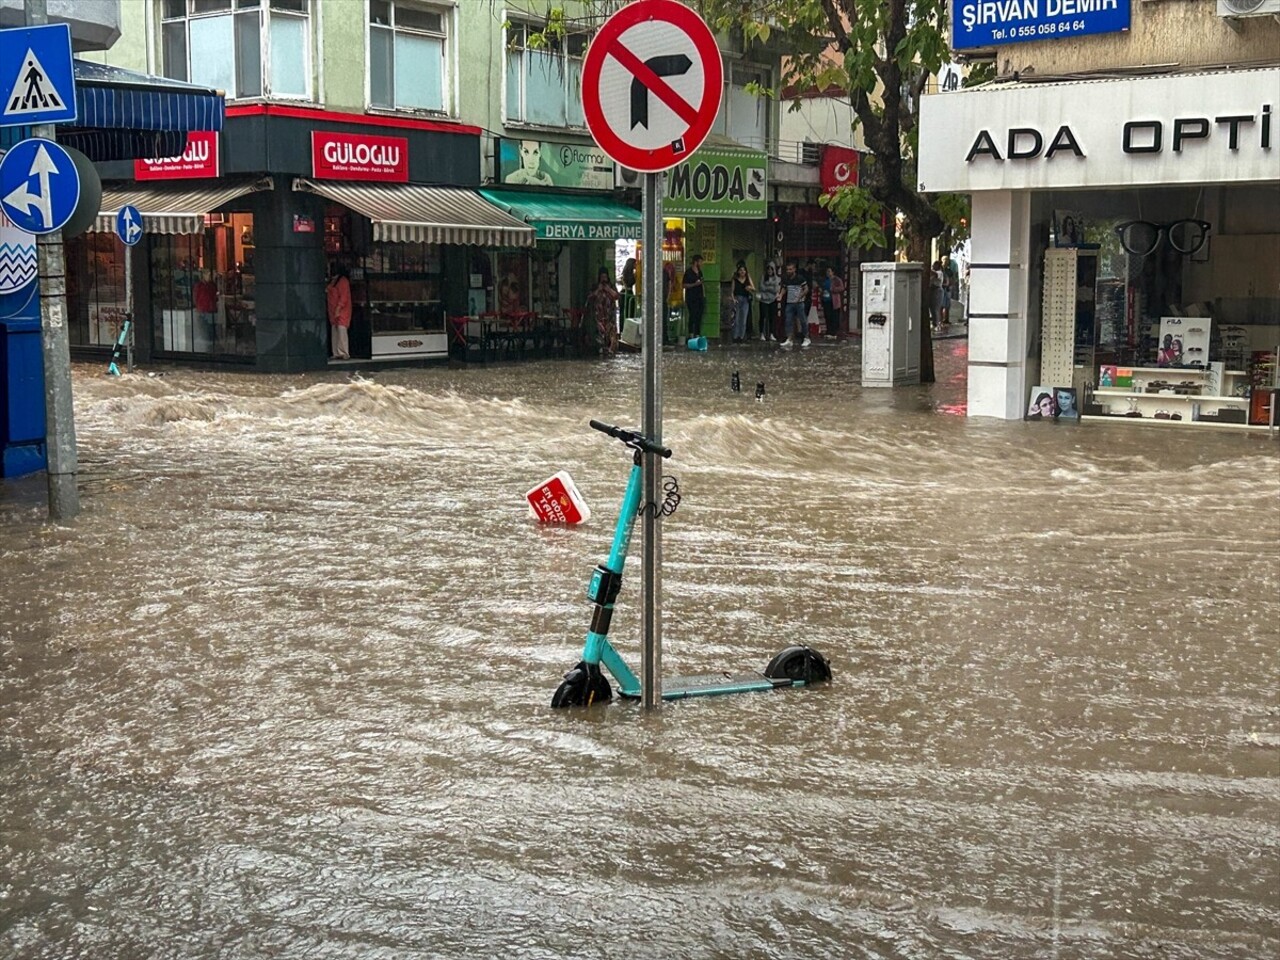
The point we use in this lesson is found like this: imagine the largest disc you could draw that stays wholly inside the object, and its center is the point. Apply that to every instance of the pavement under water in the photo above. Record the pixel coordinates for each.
(282, 689)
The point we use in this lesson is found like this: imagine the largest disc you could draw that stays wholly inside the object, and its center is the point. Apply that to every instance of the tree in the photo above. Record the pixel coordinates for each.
(880, 54)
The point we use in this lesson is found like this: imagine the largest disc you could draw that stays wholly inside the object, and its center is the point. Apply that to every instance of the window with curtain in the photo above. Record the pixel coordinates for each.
(408, 56)
(544, 85)
(247, 48)
(743, 115)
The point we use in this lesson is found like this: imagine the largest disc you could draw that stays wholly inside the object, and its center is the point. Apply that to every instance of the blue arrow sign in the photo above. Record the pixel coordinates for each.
(39, 186)
(37, 80)
(129, 225)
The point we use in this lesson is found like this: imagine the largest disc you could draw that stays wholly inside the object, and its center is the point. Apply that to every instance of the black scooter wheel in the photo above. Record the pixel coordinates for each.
(799, 663)
(583, 686)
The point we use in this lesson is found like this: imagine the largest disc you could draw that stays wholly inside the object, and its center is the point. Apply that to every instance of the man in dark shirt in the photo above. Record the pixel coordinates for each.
(694, 296)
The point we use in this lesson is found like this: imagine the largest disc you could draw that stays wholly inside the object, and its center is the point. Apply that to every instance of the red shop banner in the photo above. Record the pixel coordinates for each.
(359, 156)
(839, 167)
(200, 159)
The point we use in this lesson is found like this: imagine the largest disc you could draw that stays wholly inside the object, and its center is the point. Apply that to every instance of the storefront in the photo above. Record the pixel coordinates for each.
(1126, 253)
(716, 204)
(242, 230)
(564, 193)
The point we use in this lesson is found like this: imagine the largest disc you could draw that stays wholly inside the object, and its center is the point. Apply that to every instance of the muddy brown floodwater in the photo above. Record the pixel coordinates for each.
(282, 690)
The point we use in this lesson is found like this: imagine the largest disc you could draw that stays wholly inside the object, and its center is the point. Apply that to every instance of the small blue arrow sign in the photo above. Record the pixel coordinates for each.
(37, 79)
(39, 185)
(129, 225)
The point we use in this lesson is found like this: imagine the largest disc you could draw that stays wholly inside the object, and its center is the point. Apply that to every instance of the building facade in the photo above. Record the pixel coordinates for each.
(434, 149)
(1126, 195)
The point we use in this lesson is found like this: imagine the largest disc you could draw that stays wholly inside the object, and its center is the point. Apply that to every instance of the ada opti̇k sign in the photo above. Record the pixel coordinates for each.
(359, 156)
(198, 161)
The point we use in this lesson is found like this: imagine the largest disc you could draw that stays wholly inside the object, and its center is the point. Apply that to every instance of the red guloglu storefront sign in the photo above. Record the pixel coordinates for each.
(200, 159)
(359, 156)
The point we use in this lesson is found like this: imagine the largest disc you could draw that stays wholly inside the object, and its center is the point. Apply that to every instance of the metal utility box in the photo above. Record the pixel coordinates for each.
(892, 309)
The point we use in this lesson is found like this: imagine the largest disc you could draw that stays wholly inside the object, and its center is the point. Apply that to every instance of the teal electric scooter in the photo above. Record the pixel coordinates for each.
(586, 684)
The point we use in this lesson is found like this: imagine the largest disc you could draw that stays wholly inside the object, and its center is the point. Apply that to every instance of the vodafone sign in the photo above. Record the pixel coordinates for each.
(839, 168)
(359, 156)
(200, 159)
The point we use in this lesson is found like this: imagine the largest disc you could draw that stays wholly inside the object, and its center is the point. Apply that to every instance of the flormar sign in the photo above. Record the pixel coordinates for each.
(199, 160)
(359, 156)
(719, 182)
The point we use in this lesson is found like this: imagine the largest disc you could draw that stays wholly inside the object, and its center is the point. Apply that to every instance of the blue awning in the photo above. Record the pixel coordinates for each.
(111, 98)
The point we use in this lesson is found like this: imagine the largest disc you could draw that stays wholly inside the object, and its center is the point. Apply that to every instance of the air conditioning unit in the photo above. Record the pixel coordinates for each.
(1248, 8)
(626, 177)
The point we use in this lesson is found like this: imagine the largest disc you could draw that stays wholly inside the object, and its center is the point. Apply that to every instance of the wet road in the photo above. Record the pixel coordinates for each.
(282, 690)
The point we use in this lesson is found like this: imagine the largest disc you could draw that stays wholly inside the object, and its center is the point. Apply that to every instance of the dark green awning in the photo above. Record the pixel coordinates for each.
(566, 216)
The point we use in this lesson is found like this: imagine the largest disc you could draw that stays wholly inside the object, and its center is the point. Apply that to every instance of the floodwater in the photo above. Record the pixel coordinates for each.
(282, 690)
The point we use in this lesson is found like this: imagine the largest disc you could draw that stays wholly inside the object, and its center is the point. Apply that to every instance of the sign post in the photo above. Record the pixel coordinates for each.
(42, 92)
(651, 88)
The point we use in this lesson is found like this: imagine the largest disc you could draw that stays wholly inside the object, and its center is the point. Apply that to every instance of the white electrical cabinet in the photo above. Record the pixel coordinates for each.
(892, 305)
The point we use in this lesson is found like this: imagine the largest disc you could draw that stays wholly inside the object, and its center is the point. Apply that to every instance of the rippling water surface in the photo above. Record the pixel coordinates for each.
(282, 691)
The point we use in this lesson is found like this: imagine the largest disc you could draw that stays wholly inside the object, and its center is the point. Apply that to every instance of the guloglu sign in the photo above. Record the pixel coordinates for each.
(986, 23)
(198, 161)
(359, 156)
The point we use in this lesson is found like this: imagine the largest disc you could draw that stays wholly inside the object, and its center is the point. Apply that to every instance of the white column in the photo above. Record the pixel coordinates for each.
(998, 276)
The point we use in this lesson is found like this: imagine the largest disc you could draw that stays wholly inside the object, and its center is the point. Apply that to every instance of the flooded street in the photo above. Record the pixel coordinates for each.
(282, 690)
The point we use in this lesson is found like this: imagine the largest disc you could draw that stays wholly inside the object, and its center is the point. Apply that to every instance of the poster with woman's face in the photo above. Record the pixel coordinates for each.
(1068, 228)
(512, 273)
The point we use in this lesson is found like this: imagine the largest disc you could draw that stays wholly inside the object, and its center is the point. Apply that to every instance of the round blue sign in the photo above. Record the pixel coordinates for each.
(39, 185)
(129, 224)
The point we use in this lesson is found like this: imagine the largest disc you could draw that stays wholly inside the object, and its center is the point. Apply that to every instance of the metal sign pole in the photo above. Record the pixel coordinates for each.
(59, 417)
(651, 463)
(128, 306)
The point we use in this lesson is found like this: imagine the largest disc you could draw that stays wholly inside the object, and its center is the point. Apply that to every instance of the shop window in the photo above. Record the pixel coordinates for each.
(408, 56)
(744, 116)
(202, 289)
(248, 48)
(95, 289)
(544, 83)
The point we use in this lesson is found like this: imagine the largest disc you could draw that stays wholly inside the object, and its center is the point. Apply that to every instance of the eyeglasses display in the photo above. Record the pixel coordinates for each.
(1142, 237)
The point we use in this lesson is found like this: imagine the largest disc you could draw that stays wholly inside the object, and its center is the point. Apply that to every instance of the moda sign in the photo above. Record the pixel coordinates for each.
(719, 182)
(1210, 128)
(359, 156)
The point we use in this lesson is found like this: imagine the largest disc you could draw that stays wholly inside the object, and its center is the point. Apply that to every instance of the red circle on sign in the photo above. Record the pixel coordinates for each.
(645, 159)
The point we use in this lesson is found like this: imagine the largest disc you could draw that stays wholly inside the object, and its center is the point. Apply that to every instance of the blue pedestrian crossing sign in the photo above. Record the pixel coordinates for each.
(37, 79)
(39, 185)
(129, 224)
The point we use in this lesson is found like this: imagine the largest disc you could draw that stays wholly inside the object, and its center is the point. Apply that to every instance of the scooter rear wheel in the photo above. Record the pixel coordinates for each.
(799, 663)
(583, 686)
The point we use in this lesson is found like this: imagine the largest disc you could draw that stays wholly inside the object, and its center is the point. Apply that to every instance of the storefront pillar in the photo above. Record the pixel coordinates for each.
(998, 374)
(292, 328)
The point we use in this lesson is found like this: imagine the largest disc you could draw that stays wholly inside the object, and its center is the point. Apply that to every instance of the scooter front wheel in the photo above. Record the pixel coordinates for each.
(799, 663)
(583, 686)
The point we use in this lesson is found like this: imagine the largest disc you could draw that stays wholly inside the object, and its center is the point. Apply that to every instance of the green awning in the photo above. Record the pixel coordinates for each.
(564, 216)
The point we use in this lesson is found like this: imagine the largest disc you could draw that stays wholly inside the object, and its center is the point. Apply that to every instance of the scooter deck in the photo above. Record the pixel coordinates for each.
(715, 684)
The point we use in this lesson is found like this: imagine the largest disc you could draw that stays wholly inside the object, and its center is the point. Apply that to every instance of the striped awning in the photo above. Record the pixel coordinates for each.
(412, 212)
(172, 209)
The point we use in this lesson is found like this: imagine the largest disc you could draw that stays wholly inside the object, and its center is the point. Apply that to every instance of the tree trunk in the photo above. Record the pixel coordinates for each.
(918, 251)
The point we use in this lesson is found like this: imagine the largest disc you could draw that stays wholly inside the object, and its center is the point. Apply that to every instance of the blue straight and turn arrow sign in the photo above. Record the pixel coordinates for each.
(39, 185)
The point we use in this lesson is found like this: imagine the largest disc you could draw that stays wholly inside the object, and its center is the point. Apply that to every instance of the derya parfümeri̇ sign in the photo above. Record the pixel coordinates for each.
(719, 182)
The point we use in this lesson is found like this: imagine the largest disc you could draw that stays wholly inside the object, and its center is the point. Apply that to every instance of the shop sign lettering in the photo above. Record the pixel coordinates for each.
(200, 159)
(1136, 137)
(983, 23)
(347, 156)
(720, 183)
(549, 163)
(626, 230)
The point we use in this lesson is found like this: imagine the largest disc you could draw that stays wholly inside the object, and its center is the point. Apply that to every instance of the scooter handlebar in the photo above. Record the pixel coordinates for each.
(631, 439)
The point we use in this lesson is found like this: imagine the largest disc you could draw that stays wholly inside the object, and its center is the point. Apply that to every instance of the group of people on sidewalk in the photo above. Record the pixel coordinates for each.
(787, 301)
